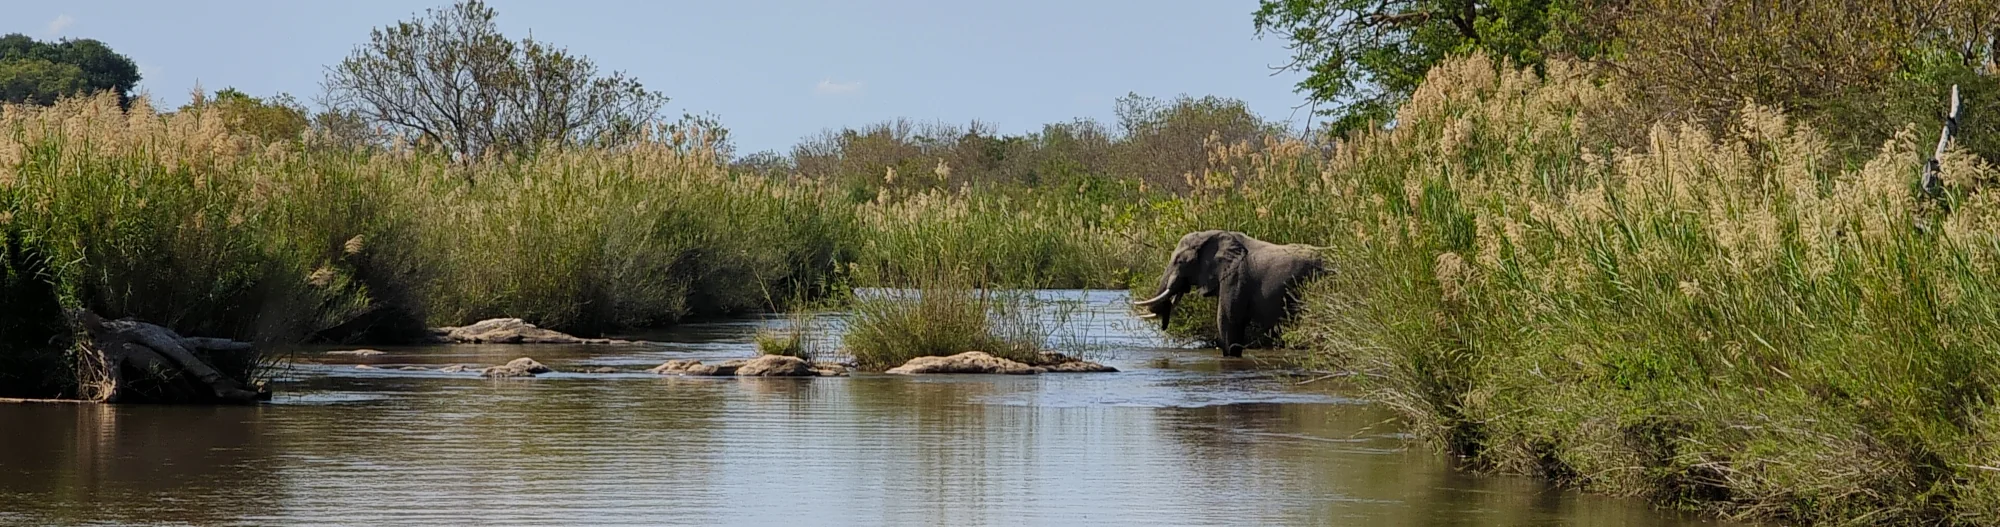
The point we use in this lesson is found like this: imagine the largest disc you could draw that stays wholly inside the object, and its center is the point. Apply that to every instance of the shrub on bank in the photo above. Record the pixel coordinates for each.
(1730, 320)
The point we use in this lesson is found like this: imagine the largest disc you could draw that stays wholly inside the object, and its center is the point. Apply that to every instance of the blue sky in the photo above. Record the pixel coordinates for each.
(775, 72)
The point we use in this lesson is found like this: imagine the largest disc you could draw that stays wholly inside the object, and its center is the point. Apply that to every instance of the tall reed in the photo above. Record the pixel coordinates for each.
(1724, 319)
(174, 219)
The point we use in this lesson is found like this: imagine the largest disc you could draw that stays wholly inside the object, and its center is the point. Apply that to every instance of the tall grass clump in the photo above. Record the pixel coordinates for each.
(1046, 239)
(943, 315)
(800, 337)
(178, 220)
(1723, 319)
(595, 239)
(174, 219)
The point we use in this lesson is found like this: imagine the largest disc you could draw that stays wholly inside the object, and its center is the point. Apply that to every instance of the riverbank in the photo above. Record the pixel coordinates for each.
(1734, 320)
(1729, 320)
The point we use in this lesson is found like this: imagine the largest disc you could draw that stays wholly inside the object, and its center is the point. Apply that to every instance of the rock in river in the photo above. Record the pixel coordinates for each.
(521, 367)
(357, 353)
(511, 331)
(1059, 363)
(829, 369)
(968, 362)
(683, 367)
(776, 366)
(982, 362)
(762, 366)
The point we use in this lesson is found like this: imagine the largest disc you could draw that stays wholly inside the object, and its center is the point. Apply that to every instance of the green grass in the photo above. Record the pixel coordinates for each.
(936, 317)
(797, 338)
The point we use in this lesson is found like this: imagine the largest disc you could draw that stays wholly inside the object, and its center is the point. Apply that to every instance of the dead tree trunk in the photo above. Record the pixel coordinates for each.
(167, 361)
(1933, 182)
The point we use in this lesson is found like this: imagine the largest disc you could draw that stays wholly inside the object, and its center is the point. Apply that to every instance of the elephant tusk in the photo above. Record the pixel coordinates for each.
(1155, 299)
(1149, 315)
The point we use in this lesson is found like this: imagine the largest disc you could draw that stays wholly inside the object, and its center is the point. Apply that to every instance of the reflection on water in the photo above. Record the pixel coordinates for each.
(1181, 437)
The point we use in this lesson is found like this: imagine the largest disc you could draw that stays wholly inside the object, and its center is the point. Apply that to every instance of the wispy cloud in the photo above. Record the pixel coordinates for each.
(57, 26)
(831, 87)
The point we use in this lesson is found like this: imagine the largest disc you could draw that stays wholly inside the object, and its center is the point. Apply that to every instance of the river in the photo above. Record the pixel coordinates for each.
(1179, 437)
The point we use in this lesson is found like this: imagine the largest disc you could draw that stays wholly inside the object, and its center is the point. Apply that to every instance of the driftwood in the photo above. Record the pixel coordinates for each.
(127, 346)
(1933, 181)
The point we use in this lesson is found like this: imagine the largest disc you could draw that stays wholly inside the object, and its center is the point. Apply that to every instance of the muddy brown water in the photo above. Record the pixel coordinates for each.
(1180, 437)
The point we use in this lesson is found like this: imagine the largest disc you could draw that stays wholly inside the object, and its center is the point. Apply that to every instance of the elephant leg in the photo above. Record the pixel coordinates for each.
(1232, 326)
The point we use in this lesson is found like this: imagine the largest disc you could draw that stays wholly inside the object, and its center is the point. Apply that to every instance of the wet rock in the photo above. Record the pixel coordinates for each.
(1059, 363)
(521, 367)
(601, 369)
(357, 353)
(413, 368)
(365, 367)
(675, 367)
(510, 331)
(968, 362)
(775, 366)
(762, 366)
(455, 368)
(729, 367)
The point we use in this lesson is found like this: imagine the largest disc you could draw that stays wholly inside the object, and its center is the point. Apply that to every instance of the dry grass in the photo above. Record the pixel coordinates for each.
(1724, 319)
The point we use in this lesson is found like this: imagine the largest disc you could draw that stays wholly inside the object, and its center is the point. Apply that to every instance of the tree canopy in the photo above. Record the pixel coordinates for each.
(38, 72)
(1860, 69)
(272, 119)
(450, 79)
(1362, 57)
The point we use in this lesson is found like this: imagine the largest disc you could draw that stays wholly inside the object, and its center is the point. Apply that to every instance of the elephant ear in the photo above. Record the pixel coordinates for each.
(1230, 255)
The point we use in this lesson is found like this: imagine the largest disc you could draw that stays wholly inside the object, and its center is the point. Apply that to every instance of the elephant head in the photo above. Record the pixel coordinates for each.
(1208, 260)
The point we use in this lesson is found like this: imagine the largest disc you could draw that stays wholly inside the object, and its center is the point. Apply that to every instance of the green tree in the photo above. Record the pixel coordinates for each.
(1363, 57)
(1860, 71)
(1162, 141)
(343, 129)
(37, 72)
(451, 79)
(279, 118)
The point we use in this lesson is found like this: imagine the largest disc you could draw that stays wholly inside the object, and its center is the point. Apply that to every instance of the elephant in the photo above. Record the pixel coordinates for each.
(1255, 280)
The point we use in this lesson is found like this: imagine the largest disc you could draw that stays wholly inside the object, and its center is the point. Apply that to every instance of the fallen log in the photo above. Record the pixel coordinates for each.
(130, 354)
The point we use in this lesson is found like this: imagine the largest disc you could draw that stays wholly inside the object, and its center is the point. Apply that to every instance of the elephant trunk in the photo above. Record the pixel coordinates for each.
(1161, 305)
